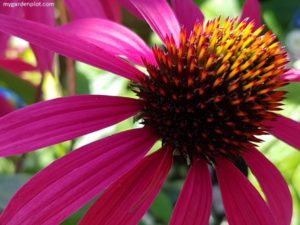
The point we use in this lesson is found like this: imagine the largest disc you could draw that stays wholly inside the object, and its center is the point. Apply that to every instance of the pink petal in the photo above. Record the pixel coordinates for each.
(112, 37)
(292, 75)
(273, 184)
(3, 43)
(187, 13)
(68, 183)
(6, 11)
(5, 106)
(194, 203)
(242, 203)
(131, 8)
(16, 66)
(127, 200)
(43, 15)
(286, 130)
(62, 119)
(85, 9)
(112, 9)
(160, 17)
(251, 10)
(77, 48)
(108, 9)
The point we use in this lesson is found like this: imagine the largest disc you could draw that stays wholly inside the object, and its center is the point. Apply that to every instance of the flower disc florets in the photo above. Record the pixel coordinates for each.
(209, 95)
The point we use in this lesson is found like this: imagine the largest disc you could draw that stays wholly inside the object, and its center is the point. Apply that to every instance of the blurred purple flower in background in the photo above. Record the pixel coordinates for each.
(43, 15)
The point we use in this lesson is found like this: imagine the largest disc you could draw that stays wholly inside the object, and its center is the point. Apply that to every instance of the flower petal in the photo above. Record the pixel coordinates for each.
(62, 119)
(43, 15)
(160, 17)
(5, 106)
(273, 184)
(127, 200)
(112, 37)
(77, 48)
(85, 9)
(251, 10)
(292, 75)
(112, 9)
(12, 11)
(187, 13)
(68, 183)
(195, 200)
(131, 8)
(242, 203)
(286, 130)
(3, 43)
(16, 66)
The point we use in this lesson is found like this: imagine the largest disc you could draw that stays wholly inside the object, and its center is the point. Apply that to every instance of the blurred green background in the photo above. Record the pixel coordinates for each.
(14, 171)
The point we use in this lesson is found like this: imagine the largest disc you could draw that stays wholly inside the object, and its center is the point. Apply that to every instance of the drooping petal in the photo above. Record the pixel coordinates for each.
(286, 130)
(108, 9)
(273, 184)
(43, 15)
(16, 66)
(55, 39)
(251, 10)
(127, 200)
(187, 13)
(195, 200)
(292, 75)
(112, 37)
(160, 17)
(112, 9)
(7, 10)
(62, 119)
(242, 203)
(131, 8)
(85, 9)
(68, 183)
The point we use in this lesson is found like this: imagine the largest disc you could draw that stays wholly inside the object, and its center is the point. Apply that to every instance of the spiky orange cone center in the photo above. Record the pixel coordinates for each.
(209, 95)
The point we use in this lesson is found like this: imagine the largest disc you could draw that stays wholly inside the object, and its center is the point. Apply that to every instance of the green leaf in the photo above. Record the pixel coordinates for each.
(161, 208)
(21, 87)
(76, 217)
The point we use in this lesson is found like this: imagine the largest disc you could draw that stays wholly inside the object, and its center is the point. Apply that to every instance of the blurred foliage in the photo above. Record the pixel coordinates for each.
(277, 16)
(18, 85)
(9, 185)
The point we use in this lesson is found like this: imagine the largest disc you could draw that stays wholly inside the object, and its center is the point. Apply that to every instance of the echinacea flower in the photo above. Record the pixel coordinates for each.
(207, 96)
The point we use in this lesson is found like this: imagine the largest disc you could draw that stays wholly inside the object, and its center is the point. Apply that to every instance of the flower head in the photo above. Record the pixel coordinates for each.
(207, 94)
(225, 73)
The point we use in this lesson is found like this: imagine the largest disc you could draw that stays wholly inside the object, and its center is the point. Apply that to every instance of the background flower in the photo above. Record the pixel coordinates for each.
(39, 14)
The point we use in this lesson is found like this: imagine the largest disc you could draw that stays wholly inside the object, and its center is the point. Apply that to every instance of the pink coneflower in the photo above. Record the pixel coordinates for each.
(207, 95)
